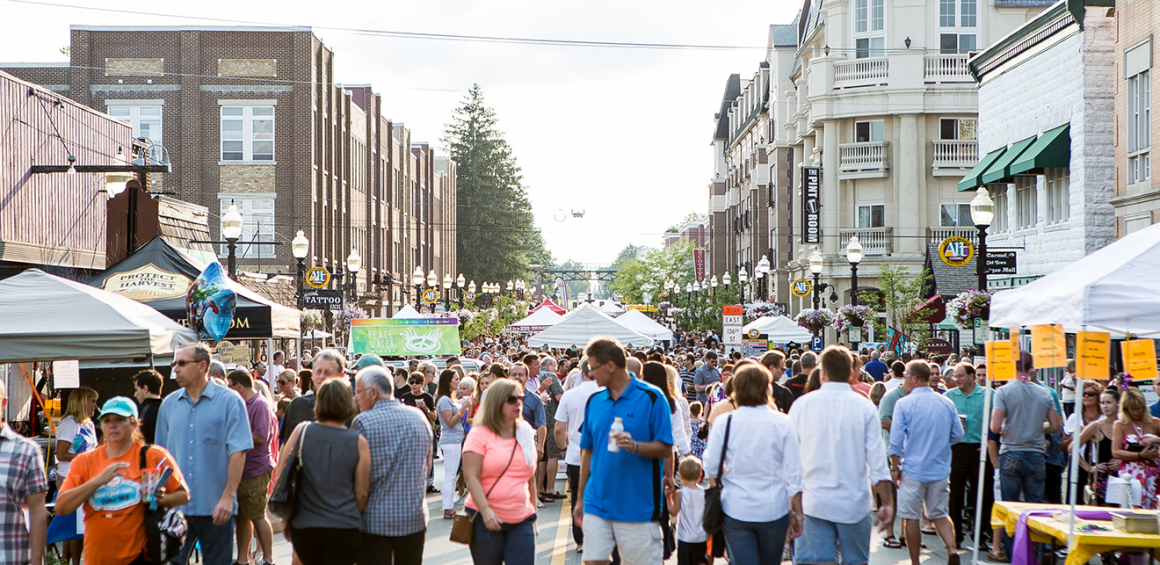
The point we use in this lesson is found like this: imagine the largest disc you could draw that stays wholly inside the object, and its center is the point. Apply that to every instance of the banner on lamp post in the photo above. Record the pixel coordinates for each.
(699, 264)
(811, 204)
(419, 336)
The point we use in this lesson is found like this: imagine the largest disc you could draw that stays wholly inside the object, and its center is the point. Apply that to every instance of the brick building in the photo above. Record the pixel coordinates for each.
(1137, 194)
(252, 116)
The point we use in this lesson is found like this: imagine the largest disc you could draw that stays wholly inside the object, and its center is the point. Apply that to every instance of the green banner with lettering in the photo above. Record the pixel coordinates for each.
(404, 337)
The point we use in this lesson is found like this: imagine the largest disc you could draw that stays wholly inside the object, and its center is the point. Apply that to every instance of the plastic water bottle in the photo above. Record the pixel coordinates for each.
(617, 427)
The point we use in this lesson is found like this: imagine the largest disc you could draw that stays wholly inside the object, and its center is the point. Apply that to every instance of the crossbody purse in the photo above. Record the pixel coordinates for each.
(462, 527)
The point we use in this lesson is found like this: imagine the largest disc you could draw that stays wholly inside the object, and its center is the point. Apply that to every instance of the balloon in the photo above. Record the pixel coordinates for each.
(210, 303)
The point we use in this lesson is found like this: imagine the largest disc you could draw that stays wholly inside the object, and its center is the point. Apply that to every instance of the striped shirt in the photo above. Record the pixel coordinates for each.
(21, 475)
(400, 442)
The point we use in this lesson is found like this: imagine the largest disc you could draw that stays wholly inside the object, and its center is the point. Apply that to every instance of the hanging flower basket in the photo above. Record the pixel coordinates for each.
(967, 306)
(311, 319)
(815, 320)
(853, 316)
(761, 308)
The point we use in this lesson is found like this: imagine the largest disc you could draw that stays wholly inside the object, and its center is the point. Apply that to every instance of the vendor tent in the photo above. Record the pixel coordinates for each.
(637, 321)
(611, 308)
(1115, 289)
(159, 275)
(584, 325)
(406, 313)
(779, 329)
(549, 305)
(47, 318)
(539, 320)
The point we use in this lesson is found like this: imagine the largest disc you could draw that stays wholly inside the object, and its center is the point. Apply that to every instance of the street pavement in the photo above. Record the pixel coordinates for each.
(554, 544)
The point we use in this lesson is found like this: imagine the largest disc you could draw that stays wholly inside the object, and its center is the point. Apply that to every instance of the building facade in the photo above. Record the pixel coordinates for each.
(1137, 194)
(695, 233)
(252, 116)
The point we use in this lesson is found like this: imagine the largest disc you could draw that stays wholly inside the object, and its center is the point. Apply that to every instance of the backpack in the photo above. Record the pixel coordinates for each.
(165, 528)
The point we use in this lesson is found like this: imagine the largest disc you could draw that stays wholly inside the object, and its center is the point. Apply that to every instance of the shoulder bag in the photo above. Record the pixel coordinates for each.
(462, 527)
(284, 500)
(165, 528)
(714, 516)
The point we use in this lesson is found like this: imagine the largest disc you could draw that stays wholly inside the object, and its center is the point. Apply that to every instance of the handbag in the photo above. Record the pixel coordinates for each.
(284, 500)
(165, 528)
(462, 527)
(714, 516)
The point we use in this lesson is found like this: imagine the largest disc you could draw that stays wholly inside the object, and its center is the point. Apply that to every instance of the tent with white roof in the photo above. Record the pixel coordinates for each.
(582, 326)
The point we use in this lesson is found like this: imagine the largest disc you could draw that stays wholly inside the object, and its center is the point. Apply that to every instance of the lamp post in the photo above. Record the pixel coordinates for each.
(816, 265)
(301, 248)
(231, 231)
(460, 283)
(854, 256)
(417, 281)
(688, 295)
(982, 213)
(713, 284)
(762, 270)
(742, 279)
(447, 292)
(353, 266)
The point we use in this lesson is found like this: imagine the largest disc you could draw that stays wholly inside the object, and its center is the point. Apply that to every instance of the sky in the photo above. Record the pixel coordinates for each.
(621, 134)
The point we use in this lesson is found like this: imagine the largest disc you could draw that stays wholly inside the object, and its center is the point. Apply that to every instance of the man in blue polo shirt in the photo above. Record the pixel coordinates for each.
(619, 503)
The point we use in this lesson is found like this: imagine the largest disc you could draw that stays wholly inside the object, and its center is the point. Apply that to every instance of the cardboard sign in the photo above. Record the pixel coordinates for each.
(1000, 360)
(1049, 346)
(1140, 359)
(1092, 355)
(66, 374)
(231, 354)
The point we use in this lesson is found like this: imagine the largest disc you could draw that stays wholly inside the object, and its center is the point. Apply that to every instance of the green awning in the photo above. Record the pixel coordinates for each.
(1052, 149)
(1001, 168)
(972, 181)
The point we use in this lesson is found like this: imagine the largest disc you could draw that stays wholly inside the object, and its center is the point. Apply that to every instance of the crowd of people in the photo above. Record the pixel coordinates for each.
(645, 437)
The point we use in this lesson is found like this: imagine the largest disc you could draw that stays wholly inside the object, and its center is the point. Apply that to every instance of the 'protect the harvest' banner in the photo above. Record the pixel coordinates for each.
(402, 337)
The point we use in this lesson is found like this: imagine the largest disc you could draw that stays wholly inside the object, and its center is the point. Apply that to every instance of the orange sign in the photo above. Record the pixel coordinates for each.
(733, 310)
(1001, 360)
(1049, 346)
(1091, 355)
(1140, 359)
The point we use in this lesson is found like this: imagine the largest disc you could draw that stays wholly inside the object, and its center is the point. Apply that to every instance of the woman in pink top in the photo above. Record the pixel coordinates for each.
(499, 466)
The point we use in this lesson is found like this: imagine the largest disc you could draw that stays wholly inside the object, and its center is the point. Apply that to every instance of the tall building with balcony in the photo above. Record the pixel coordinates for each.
(883, 105)
(1137, 193)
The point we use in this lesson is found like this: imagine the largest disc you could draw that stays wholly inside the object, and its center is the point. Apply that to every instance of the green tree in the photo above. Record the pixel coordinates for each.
(690, 217)
(901, 294)
(497, 238)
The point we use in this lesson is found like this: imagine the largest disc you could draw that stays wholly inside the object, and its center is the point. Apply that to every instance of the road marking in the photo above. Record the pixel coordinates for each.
(560, 548)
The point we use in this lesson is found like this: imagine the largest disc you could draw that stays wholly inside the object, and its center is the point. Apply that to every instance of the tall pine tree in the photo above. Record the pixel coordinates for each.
(497, 236)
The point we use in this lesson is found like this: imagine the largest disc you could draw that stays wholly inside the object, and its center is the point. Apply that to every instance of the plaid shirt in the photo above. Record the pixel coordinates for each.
(21, 475)
(400, 441)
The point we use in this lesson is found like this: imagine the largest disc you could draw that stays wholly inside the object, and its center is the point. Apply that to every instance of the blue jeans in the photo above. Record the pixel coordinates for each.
(755, 542)
(217, 542)
(513, 544)
(1022, 472)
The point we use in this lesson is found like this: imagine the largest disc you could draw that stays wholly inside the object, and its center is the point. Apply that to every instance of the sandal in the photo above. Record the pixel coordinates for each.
(892, 543)
(929, 532)
(902, 541)
(998, 557)
(448, 514)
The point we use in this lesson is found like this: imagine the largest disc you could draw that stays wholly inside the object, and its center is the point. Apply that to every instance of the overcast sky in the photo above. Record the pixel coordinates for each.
(621, 134)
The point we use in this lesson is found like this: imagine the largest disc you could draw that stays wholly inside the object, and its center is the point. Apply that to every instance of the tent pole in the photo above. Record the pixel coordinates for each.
(980, 483)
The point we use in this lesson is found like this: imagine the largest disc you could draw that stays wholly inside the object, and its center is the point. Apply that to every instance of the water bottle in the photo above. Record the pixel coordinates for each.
(617, 427)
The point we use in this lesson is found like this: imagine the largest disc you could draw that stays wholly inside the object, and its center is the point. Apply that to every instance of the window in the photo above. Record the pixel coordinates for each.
(1026, 209)
(951, 129)
(946, 13)
(951, 43)
(247, 133)
(870, 131)
(1139, 116)
(257, 211)
(861, 16)
(869, 47)
(956, 215)
(145, 119)
(1058, 207)
(999, 196)
(872, 216)
(969, 13)
(869, 17)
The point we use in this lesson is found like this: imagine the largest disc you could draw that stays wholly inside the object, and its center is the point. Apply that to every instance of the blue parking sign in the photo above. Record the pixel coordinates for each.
(817, 343)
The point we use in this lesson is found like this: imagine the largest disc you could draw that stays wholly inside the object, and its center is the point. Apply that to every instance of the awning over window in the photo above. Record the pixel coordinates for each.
(1000, 170)
(1052, 149)
(972, 180)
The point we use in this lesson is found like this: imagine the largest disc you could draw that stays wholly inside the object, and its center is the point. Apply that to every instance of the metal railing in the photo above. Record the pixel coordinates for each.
(949, 67)
(875, 241)
(936, 235)
(861, 72)
(866, 156)
(955, 154)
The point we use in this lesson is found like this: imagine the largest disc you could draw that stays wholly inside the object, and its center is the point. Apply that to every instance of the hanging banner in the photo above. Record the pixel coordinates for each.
(1092, 355)
(417, 336)
(147, 283)
(1001, 360)
(699, 264)
(811, 204)
(1139, 359)
(1049, 346)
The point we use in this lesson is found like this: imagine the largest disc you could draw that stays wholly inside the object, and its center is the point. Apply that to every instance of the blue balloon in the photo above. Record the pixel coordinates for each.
(210, 303)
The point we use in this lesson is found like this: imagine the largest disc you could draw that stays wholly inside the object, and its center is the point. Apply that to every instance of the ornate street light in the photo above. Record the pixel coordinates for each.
(231, 230)
(982, 213)
(417, 281)
(300, 246)
(353, 266)
(854, 256)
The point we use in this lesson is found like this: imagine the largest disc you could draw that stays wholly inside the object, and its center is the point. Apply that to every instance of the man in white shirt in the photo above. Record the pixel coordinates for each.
(569, 418)
(841, 452)
(276, 367)
(896, 376)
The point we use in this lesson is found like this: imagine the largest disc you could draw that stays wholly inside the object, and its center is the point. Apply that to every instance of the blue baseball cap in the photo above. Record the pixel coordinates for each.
(120, 406)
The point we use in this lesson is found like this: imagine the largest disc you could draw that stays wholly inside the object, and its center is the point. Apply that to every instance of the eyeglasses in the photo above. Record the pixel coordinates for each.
(1089, 394)
(183, 362)
(413, 383)
(515, 399)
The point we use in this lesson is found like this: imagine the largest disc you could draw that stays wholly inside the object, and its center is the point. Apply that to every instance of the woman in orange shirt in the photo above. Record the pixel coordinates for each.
(109, 481)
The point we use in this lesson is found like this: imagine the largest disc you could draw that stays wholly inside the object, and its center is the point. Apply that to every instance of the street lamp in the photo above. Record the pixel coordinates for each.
(301, 247)
(688, 294)
(854, 256)
(762, 270)
(742, 279)
(353, 266)
(231, 231)
(982, 213)
(447, 292)
(417, 281)
(713, 284)
(460, 283)
(816, 265)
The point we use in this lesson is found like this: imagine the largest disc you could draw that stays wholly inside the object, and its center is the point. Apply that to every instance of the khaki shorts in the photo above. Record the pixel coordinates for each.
(252, 497)
(912, 495)
(639, 542)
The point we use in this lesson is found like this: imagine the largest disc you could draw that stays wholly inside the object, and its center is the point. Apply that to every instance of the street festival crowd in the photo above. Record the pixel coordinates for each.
(682, 451)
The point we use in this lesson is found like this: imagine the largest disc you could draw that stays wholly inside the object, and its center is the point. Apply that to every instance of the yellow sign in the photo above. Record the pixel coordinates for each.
(642, 307)
(430, 296)
(956, 251)
(231, 354)
(147, 283)
(754, 333)
(1049, 346)
(1092, 351)
(317, 277)
(1001, 357)
(1140, 359)
(801, 288)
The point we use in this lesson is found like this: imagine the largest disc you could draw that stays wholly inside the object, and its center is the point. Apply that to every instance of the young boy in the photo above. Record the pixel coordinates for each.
(691, 536)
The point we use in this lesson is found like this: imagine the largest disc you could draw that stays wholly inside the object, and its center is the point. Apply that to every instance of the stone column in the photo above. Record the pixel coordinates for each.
(910, 200)
(830, 206)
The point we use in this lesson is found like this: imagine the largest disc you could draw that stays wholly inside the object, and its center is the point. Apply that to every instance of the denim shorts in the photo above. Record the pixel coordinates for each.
(820, 539)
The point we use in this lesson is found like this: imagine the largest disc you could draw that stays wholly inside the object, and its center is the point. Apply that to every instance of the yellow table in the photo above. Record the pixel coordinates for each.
(1046, 529)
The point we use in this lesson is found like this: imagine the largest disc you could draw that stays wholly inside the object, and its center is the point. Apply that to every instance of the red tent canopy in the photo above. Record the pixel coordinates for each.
(551, 306)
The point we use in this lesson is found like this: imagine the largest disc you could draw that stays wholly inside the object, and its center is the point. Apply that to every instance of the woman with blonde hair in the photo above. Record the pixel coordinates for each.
(499, 464)
(75, 435)
(1136, 443)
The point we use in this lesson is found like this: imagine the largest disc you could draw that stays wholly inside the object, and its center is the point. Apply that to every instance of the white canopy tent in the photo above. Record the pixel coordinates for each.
(582, 326)
(1115, 290)
(538, 321)
(406, 313)
(779, 329)
(638, 322)
(611, 308)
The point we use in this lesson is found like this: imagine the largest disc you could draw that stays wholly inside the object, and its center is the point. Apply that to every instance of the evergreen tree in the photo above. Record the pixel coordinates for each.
(497, 236)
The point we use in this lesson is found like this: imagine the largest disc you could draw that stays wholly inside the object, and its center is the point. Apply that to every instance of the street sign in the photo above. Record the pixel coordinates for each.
(816, 344)
(732, 336)
(1000, 263)
(317, 277)
(753, 333)
(980, 336)
(801, 288)
(469, 296)
(956, 251)
(855, 334)
(732, 317)
(732, 320)
(430, 296)
(323, 299)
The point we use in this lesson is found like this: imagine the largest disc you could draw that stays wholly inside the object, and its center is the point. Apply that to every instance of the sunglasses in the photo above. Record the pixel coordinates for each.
(413, 383)
(515, 399)
(1089, 394)
(183, 362)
